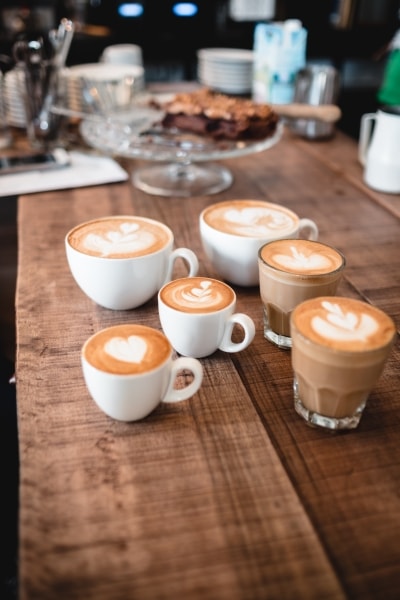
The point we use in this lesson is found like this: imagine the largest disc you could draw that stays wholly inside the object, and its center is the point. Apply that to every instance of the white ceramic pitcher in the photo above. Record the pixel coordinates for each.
(379, 149)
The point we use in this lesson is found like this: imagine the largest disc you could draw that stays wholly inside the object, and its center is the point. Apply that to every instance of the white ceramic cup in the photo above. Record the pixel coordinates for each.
(233, 231)
(120, 262)
(197, 315)
(129, 370)
(122, 54)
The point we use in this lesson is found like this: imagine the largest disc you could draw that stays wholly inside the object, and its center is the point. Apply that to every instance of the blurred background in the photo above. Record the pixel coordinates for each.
(352, 35)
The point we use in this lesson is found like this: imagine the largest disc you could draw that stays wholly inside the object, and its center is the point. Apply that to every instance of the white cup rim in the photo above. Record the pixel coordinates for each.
(197, 313)
(169, 243)
(264, 203)
(299, 275)
(127, 376)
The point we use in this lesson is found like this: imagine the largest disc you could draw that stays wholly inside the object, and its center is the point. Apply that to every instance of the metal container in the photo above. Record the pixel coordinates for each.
(315, 85)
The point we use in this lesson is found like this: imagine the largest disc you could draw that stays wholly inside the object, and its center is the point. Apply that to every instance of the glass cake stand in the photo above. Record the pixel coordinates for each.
(183, 160)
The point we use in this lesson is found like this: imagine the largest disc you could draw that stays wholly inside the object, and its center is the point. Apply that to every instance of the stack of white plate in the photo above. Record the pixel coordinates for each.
(228, 70)
(14, 97)
(114, 86)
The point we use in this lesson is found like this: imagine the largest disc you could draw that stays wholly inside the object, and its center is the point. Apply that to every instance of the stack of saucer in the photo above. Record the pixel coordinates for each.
(14, 98)
(115, 85)
(228, 70)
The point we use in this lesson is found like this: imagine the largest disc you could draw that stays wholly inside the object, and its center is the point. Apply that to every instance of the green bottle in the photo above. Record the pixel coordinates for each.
(389, 92)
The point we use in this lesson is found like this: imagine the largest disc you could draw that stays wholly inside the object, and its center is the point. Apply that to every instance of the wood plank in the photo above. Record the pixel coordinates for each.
(342, 156)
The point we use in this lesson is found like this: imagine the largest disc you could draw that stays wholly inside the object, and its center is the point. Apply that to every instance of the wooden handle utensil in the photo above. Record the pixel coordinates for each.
(329, 113)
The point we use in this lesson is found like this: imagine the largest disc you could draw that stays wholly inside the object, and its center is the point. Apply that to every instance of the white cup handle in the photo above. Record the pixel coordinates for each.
(310, 227)
(179, 364)
(190, 259)
(365, 136)
(227, 345)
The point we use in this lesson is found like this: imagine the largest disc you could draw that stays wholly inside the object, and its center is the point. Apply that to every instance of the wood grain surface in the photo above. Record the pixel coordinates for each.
(228, 495)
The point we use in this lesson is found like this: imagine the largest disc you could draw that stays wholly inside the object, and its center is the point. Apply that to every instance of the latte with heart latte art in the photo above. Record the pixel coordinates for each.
(233, 231)
(127, 349)
(251, 218)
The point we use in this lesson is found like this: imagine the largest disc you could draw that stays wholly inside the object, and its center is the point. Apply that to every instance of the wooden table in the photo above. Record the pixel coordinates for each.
(229, 495)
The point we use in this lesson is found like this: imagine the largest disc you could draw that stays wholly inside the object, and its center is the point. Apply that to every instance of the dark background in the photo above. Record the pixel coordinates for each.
(356, 46)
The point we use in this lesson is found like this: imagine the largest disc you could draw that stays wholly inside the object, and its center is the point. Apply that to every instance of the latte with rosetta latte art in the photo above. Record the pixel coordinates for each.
(197, 315)
(119, 237)
(339, 348)
(344, 324)
(302, 257)
(197, 295)
(127, 349)
(293, 270)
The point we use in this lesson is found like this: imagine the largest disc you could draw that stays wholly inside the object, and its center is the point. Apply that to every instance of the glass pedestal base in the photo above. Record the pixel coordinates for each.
(182, 180)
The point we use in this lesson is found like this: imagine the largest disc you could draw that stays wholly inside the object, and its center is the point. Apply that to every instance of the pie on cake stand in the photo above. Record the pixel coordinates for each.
(183, 160)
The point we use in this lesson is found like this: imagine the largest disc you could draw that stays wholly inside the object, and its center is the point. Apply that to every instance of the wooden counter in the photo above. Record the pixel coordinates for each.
(230, 495)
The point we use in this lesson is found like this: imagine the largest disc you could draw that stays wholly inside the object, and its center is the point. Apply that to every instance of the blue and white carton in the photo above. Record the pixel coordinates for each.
(279, 53)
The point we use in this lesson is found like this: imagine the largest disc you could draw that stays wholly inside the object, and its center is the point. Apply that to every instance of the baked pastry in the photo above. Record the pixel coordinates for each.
(219, 116)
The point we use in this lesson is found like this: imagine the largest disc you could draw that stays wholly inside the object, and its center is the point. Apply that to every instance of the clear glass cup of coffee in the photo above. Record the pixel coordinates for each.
(291, 271)
(339, 349)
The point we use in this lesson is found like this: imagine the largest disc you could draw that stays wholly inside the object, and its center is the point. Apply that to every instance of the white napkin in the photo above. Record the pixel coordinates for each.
(84, 170)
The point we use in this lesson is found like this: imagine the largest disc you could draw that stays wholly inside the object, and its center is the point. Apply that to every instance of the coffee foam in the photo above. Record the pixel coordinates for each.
(343, 324)
(251, 218)
(303, 257)
(127, 349)
(197, 295)
(119, 237)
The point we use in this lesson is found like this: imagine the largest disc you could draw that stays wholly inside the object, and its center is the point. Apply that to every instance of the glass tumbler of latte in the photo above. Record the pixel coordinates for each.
(291, 271)
(339, 349)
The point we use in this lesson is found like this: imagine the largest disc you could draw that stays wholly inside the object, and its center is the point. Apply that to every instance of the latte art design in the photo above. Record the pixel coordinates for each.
(204, 294)
(303, 258)
(341, 325)
(257, 221)
(197, 295)
(126, 238)
(127, 349)
(296, 260)
(346, 324)
(131, 349)
(120, 237)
